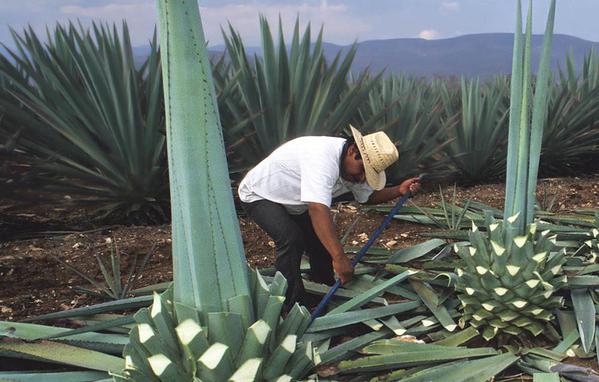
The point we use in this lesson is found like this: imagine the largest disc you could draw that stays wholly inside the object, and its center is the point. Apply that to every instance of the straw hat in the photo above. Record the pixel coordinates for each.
(378, 153)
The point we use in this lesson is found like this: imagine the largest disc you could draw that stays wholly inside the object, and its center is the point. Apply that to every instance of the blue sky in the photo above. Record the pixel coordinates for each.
(344, 20)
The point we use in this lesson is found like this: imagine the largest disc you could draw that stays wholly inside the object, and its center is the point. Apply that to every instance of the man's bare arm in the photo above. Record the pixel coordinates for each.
(390, 193)
(322, 221)
(384, 195)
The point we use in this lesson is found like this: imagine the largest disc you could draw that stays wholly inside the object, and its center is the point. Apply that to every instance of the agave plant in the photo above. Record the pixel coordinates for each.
(571, 134)
(447, 215)
(588, 79)
(290, 92)
(410, 113)
(112, 286)
(478, 131)
(91, 119)
(510, 277)
(171, 341)
(509, 281)
(240, 142)
(212, 286)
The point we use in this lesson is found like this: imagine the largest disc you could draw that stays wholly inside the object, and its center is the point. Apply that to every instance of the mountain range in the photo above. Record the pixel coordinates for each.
(481, 55)
(472, 55)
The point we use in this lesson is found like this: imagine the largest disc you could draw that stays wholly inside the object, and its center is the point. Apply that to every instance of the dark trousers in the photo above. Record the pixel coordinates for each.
(293, 235)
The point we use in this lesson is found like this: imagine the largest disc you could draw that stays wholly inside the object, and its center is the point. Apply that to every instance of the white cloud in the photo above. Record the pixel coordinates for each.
(428, 34)
(450, 6)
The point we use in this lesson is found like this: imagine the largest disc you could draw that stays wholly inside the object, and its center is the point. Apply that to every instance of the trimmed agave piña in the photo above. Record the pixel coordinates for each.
(512, 274)
(218, 323)
(174, 342)
(508, 282)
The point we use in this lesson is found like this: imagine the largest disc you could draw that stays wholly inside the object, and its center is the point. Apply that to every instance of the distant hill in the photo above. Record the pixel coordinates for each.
(470, 55)
(473, 55)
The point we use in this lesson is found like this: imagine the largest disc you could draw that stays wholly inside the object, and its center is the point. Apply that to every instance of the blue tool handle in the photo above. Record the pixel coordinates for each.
(325, 300)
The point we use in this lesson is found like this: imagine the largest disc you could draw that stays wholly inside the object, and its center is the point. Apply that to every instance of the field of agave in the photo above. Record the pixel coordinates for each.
(85, 118)
(497, 294)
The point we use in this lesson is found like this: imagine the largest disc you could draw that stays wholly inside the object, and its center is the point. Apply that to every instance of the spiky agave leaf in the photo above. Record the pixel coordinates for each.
(582, 293)
(509, 282)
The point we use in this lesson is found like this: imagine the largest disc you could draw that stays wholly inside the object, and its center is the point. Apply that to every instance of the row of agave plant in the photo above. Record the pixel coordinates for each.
(87, 120)
(220, 321)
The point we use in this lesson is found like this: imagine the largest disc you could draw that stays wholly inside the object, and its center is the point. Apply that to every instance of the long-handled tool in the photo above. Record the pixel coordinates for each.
(325, 300)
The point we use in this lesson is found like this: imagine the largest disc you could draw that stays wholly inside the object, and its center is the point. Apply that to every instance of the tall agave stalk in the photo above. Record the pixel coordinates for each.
(207, 247)
(220, 324)
(510, 277)
(526, 135)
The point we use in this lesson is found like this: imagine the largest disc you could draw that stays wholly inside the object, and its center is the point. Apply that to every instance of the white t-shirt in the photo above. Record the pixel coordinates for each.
(303, 170)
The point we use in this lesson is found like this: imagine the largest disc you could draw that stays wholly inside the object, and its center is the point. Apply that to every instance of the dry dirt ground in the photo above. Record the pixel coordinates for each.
(33, 282)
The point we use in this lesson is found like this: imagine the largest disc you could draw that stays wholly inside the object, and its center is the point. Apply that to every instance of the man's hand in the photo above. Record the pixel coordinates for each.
(412, 184)
(325, 230)
(343, 268)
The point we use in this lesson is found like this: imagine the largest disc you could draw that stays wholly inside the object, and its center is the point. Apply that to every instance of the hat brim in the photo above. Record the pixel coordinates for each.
(376, 180)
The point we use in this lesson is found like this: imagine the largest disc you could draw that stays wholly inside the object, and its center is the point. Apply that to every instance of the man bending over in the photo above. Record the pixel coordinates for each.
(289, 196)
